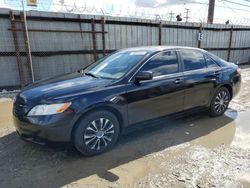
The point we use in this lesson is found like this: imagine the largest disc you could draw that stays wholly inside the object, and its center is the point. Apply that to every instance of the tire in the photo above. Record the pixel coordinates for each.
(96, 133)
(220, 102)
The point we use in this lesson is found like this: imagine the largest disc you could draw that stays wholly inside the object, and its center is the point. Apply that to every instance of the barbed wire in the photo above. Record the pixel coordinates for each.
(82, 7)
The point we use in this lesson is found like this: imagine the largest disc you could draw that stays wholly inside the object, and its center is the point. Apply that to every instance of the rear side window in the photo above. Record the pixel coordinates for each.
(193, 60)
(210, 63)
(220, 61)
(162, 64)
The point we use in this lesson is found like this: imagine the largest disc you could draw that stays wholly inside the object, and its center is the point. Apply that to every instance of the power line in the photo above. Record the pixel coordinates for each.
(199, 10)
(234, 11)
(202, 3)
(230, 8)
(236, 3)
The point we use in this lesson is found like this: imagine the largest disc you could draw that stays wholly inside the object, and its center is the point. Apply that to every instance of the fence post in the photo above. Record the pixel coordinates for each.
(230, 44)
(16, 44)
(27, 41)
(94, 38)
(160, 28)
(103, 37)
(199, 41)
(27, 46)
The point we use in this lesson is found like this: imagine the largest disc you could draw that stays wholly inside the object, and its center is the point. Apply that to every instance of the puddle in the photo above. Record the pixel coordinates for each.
(245, 180)
(6, 122)
(242, 133)
(220, 158)
(235, 131)
(5, 100)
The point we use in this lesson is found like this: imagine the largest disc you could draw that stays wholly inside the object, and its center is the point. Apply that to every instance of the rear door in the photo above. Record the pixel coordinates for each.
(199, 80)
(160, 96)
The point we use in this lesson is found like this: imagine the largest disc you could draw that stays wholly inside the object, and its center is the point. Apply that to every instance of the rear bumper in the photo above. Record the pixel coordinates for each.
(236, 85)
(44, 129)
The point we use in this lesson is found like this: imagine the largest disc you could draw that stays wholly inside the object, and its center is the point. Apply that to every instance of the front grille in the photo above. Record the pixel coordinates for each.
(20, 106)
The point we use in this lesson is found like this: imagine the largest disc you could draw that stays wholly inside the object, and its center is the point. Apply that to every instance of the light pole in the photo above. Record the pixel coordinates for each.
(28, 42)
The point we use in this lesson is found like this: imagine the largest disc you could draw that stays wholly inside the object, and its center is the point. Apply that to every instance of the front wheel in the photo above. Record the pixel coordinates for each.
(220, 102)
(96, 133)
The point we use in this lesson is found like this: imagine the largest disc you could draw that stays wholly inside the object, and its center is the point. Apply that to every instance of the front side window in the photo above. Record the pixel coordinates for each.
(162, 64)
(116, 65)
(193, 60)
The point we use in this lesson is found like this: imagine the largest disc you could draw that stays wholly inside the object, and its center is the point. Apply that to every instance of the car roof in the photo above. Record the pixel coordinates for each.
(157, 48)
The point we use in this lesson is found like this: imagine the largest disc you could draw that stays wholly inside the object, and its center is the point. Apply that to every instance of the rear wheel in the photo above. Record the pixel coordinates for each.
(220, 102)
(96, 133)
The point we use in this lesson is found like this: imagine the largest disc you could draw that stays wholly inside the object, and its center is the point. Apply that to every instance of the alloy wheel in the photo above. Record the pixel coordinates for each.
(221, 101)
(99, 134)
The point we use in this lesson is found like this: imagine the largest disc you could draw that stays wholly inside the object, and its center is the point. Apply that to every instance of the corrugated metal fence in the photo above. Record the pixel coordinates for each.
(62, 43)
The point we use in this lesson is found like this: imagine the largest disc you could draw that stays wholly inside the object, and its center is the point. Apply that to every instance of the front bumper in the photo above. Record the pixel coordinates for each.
(44, 129)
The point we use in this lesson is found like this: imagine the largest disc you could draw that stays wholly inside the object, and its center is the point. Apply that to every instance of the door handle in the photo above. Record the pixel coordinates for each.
(216, 73)
(178, 81)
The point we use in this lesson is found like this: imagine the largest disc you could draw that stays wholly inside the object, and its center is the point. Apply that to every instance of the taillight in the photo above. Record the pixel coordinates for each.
(238, 71)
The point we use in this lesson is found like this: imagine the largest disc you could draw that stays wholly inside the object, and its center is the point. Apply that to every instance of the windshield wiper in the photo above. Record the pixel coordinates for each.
(90, 74)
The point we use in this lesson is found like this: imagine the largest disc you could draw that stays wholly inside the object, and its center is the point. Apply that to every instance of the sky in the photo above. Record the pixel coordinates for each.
(154, 9)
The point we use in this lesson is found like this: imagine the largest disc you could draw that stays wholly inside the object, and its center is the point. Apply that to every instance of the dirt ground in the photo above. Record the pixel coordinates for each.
(193, 151)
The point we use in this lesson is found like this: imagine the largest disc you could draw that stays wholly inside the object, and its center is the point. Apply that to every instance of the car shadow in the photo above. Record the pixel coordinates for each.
(25, 164)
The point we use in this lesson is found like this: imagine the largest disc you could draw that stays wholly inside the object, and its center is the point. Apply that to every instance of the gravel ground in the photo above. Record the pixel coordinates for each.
(202, 167)
(194, 151)
(8, 94)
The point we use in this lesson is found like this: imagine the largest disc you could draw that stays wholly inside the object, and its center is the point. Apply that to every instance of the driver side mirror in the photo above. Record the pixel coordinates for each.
(143, 75)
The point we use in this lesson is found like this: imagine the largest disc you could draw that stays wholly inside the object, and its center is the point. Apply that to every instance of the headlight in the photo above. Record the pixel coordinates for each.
(48, 109)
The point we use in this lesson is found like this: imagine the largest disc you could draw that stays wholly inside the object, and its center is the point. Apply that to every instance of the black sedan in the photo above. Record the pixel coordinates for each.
(93, 106)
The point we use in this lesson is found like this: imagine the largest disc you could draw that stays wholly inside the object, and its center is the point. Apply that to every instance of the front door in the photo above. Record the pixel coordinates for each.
(160, 96)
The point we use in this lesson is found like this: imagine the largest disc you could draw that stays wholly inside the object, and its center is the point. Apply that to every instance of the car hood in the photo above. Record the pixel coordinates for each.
(65, 85)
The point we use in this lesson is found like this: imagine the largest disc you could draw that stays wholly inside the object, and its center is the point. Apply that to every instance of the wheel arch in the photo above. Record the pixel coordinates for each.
(111, 109)
(230, 89)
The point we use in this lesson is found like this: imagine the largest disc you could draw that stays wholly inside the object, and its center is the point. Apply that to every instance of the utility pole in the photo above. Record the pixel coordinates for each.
(171, 15)
(187, 12)
(210, 15)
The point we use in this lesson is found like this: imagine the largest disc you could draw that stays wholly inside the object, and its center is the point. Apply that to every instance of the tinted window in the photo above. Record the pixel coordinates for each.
(162, 64)
(192, 60)
(217, 59)
(210, 62)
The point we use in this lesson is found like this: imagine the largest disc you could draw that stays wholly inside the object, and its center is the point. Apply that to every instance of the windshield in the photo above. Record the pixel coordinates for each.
(115, 65)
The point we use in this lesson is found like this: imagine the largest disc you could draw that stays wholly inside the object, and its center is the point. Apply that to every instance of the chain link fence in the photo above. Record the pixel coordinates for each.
(62, 43)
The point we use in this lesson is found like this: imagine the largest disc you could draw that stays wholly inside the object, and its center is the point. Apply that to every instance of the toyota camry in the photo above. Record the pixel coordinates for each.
(93, 106)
